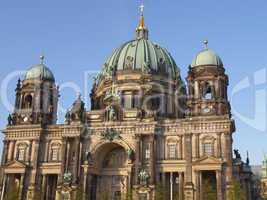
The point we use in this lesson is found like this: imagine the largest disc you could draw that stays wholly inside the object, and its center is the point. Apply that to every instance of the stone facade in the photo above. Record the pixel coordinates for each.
(144, 132)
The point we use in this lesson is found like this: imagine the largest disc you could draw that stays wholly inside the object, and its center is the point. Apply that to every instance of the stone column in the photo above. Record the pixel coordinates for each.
(197, 175)
(197, 146)
(171, 185)
(76, 160)
(85, 175)
(201, 184)
(10, 150)
(137, 157)
(43, 186)
(152, 160)
(219, 185)
(3, 187)
(63, 160)
(21, 184)
(180, 156)
(228, 157)
(46, 150)
(181, 186)
(34, 160)
(219, 145)
(189, 187)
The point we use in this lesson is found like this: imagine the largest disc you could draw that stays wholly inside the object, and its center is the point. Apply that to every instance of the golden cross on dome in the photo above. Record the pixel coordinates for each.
(142, 8)
(142, 18)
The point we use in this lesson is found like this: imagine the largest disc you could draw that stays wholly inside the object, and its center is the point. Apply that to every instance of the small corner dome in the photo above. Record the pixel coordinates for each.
(39, 72)
(207, 57)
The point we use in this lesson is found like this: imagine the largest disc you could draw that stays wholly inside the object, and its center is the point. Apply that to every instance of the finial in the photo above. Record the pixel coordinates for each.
(142, 18)
(42, 57)
(142, 32)
(206, 42)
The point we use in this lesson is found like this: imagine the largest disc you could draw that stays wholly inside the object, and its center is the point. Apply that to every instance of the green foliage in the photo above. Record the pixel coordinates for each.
(236, 192)
(12, 194)
(105, 195)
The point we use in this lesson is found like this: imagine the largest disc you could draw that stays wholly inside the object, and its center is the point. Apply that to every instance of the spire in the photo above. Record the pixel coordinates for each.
(141, 30)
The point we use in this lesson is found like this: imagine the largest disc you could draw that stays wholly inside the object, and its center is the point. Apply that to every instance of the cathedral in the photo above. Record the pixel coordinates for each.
(147, 136)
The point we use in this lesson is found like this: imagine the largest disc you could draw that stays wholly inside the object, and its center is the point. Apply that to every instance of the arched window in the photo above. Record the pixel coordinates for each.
(28, 102)
(22, 151)
(207, 91)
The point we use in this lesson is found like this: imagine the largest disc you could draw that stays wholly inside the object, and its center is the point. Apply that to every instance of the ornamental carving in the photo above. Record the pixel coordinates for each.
(111, 134)
(143, 177)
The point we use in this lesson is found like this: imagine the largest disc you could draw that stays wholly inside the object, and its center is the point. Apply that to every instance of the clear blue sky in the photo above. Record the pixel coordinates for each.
(77, 36)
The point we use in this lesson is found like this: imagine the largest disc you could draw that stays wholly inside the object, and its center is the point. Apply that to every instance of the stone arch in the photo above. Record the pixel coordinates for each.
(100, 150)
(28, 101)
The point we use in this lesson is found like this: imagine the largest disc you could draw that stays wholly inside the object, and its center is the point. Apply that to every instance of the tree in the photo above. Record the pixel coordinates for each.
(236, 192)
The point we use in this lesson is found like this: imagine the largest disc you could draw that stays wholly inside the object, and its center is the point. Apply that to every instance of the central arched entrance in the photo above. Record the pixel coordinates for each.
(113, 177)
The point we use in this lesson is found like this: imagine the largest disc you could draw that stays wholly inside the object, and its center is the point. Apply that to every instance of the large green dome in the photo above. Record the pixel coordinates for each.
(142, 55)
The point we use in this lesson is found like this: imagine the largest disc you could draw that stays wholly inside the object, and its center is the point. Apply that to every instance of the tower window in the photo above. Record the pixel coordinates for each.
(28, 102)
(207, 92)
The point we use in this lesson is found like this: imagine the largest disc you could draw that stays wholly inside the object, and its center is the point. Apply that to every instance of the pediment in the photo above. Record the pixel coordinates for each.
(208, 160)
(15, 164)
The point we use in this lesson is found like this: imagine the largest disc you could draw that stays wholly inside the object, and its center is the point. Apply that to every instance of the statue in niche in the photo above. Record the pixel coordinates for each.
(162, 65)
(143, 177)
(67, 177)
(68, 117)
(111, 114)
(88, 157)
(129, 62)
(130, 154)
(147, 67)
(10, 120)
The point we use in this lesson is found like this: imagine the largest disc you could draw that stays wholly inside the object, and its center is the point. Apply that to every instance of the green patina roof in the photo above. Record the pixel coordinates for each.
(207, 57)
(142, 52)
(40, 72)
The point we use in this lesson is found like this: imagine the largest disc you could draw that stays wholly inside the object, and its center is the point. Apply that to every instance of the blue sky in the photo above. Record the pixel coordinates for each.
(77, 36)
